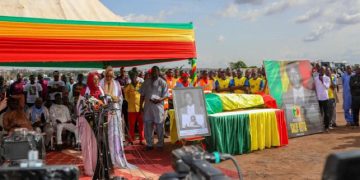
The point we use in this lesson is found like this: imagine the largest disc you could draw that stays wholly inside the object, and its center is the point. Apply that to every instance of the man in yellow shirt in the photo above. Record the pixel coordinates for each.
(132, 96)
(332, 99)
(223, 84)
(241, 83)
(256, 83)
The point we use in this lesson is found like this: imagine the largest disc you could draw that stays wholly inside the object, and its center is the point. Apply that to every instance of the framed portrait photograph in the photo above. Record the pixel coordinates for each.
(190, 112)
(291, 84)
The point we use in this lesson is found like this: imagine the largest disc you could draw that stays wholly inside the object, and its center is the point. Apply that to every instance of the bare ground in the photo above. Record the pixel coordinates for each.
(303, 158)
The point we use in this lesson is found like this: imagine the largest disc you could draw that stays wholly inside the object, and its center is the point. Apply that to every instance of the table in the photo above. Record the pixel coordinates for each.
(240, 132)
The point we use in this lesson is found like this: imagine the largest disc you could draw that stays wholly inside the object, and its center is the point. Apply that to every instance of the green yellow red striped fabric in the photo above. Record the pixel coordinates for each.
(50, 42)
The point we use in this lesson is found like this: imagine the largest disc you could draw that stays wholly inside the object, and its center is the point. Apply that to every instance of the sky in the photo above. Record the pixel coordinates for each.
(255, 30)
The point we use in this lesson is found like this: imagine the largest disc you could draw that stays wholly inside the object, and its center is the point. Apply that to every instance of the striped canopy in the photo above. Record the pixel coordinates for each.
(37, 42)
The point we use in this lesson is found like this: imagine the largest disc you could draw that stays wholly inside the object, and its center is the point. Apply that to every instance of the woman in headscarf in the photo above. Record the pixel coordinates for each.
(112, 89)
(87, 136)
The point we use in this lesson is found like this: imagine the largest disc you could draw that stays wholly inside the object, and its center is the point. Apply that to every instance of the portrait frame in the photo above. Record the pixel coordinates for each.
(193, 122)
(291, 83)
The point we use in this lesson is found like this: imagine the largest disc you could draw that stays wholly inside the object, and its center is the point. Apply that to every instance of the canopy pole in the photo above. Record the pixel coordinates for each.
(193, 73)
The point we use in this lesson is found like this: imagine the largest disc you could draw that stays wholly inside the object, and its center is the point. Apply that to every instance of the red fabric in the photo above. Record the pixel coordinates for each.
(306, 74)
(94, 88)
(54, 50)
(281, 121)
(269, 101)
(133, 117)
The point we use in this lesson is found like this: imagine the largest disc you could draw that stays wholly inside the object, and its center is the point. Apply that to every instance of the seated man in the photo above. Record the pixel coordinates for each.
(38, 115)
(15, 117)
(60, 116)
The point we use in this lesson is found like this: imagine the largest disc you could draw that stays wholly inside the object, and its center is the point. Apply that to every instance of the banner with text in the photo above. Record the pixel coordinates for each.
(292, 85)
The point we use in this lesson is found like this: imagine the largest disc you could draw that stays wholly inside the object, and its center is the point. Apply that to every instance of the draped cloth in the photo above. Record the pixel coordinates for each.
(115, 124)
(88, 141)
(241, 132)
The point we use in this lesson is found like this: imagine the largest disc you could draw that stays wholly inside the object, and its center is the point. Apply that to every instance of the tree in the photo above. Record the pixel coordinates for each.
(237, 65)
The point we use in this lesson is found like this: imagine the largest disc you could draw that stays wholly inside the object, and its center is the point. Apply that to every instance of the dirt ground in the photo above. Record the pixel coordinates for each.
(303, 158)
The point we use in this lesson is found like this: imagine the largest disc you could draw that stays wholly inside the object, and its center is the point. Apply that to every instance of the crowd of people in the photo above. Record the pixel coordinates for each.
(143, 99)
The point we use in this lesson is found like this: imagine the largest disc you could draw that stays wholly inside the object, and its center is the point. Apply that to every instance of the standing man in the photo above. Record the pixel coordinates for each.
(332, 99)
(347, 96)
(322, 84)
(206, 83)
(241, 83)
(177, 74)
(153, 93)
(32, 91)
(256, 83)
(355, 93)
(132, 96)
(56, 86)
(123, 81)
(44, 87)
(184, 82)
(78, 87)
(171, 83)
(17, 90)
(71, 92)
(223, 84)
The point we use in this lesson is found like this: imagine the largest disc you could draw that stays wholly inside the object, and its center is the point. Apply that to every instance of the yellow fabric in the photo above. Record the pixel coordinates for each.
(263, 130)
(284, 77)
(132, 96)
(233, 102)
(173, 131)
(224, 83)
(66, 31)
(239, 82)
(331, 93)
(255, 85)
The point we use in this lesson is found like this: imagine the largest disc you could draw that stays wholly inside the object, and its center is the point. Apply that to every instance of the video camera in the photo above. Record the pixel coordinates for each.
(191, 162)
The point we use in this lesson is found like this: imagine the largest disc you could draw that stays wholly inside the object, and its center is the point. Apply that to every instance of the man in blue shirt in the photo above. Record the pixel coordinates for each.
(347, 96)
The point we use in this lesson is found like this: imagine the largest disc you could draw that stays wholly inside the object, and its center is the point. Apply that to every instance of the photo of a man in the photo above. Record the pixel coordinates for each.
(292, 85)
(193, 124)
(190, 111)
(189, 105)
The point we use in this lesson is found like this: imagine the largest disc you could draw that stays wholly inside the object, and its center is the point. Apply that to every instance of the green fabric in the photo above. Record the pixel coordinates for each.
(85, 64)
(229, 134)
(97, 23)
(213, 104)
(272, 69)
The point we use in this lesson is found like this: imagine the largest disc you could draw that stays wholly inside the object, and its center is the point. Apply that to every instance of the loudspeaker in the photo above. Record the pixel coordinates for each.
(342, 166)
(41, 173)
